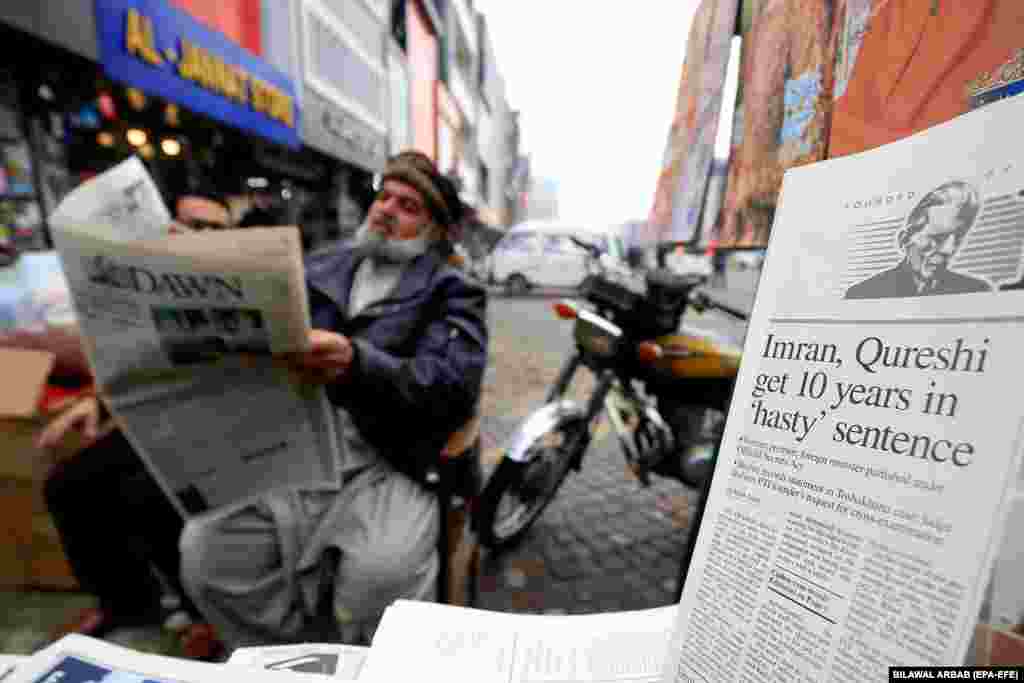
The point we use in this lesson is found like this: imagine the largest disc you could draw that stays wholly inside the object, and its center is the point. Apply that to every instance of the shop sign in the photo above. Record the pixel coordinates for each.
(165, 52)
(335, 131)
(361, 140)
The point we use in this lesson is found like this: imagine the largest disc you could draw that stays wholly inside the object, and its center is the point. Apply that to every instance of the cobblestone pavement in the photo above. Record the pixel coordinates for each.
(604, 544)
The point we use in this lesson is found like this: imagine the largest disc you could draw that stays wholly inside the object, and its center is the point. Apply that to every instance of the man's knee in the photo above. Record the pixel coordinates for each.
(385, 568)
(396, 561)
(221, 553)
(194, 546)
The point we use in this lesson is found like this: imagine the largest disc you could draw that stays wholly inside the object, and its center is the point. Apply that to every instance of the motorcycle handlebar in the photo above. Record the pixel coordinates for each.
(705, 301)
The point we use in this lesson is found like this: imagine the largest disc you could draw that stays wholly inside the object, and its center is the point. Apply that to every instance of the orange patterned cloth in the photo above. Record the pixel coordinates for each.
(924, 62)
(783, 109)
(679, 193)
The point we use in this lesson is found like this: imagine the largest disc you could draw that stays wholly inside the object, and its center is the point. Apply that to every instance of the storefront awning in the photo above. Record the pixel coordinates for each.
(165, 52)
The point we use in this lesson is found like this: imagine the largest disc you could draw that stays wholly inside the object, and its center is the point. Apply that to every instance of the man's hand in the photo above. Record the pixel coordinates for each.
(84, 416)
(328, 359)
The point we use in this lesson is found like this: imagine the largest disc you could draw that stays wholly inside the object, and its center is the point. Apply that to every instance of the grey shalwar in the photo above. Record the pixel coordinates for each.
(253, 569)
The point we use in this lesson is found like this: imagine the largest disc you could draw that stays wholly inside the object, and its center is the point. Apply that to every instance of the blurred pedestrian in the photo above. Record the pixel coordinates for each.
(201, 211)
(261, 212)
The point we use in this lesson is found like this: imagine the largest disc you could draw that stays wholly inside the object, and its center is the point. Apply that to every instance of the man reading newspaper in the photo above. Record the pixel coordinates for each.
(399, 340)
(114, 521)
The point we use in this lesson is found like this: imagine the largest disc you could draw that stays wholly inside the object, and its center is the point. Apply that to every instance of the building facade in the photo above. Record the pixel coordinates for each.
(419, 30)
(339, 54)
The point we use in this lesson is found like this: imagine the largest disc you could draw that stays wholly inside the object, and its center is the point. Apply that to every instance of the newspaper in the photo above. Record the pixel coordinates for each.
(426, 641)
(79, 659)
(872, 452)
(179, 330)
(124, 196)
(8, 663)
(341, 662)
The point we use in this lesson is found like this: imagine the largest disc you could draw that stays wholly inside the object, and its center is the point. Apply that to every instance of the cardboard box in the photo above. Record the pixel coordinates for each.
(995, 646)
(32, 556)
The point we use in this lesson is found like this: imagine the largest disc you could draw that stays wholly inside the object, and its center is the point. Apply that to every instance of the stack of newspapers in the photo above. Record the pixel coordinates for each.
(415, 641)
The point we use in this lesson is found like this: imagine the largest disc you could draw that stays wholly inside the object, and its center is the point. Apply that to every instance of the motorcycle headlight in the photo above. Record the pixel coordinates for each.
(596, 335)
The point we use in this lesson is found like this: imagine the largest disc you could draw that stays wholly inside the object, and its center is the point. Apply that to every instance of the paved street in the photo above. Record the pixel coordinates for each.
(604, 544)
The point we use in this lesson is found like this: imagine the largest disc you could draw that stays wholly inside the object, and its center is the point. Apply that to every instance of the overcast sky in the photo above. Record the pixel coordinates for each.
(596, 84)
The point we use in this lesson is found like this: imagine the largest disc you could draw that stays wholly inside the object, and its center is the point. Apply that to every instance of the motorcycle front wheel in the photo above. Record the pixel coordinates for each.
(518, 492)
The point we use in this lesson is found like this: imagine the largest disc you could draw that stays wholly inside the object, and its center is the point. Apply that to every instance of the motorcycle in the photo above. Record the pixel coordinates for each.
(666, 392)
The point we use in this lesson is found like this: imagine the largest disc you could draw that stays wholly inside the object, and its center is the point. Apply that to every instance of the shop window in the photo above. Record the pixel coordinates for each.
(362, 23)
(337, 63)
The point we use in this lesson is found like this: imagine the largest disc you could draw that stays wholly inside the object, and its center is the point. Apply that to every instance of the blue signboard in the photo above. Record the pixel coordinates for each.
(164, 51)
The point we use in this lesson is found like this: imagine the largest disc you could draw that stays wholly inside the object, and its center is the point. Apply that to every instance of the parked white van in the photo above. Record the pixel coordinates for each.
(541, 254)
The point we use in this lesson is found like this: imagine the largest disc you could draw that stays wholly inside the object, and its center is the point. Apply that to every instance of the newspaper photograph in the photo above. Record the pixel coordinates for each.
(80, 659)
(866, 506)
(340, 662)
(180, 331)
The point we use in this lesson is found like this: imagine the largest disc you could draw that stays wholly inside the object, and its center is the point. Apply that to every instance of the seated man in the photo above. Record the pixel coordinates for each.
(400, 342)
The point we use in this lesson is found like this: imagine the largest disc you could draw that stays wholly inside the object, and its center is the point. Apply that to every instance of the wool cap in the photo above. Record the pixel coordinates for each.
(439, 194)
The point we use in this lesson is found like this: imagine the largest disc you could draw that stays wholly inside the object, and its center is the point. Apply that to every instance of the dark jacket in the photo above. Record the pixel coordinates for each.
(899, 282)
(419, 354)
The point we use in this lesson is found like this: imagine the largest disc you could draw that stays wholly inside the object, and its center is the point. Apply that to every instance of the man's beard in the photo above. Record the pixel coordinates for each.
(389, 250)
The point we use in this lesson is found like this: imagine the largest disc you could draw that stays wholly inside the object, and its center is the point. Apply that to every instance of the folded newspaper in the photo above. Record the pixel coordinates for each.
(426, 641)
(179, 330)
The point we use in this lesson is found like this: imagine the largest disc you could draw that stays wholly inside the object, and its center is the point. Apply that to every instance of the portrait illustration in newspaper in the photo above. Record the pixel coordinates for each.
(196, 335)
(951, 242)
